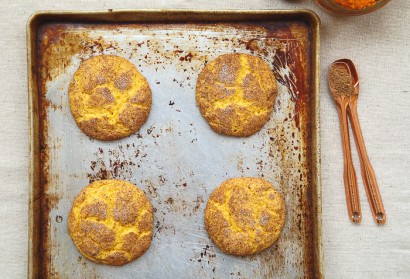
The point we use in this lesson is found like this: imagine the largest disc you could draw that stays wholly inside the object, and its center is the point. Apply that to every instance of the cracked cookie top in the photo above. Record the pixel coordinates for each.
(245, 215)
(109, 98)
(236, 94)
(111, 222)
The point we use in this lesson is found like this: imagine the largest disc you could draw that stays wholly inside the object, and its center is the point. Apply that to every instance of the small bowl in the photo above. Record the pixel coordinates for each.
(333, 7)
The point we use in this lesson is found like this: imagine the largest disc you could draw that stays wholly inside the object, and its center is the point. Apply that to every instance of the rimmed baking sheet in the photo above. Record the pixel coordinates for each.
(175, 158)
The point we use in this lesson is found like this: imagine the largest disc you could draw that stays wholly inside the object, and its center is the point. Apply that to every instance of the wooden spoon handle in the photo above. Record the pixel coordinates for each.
(350, 181)
(368, 175)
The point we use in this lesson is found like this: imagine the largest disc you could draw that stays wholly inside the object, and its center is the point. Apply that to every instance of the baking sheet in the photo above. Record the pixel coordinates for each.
(176, 159)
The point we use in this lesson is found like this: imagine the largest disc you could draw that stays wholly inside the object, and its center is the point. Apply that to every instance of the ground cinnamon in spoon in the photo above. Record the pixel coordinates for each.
(340, 80)
(356, 4)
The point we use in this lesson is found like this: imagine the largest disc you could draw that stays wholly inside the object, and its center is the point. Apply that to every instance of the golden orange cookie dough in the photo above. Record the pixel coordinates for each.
(109, 98)
(236, 94)
(111, 222)
(245, 215)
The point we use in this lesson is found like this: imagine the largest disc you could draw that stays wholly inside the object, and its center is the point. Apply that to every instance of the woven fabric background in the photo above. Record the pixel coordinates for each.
(378, 43)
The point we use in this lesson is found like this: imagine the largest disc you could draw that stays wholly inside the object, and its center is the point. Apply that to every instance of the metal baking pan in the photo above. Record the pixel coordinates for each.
(175, 158)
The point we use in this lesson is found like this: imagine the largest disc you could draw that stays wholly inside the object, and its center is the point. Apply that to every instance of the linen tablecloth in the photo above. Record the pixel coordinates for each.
(378, 43)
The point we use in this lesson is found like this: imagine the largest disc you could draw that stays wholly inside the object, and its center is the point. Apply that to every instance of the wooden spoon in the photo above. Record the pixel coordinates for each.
(368, 175)
(352, 196)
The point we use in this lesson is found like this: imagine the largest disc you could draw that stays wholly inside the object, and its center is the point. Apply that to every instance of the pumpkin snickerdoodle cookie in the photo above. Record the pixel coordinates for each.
(245, 215)
(109, 98)
(236, 94)
(111, 222)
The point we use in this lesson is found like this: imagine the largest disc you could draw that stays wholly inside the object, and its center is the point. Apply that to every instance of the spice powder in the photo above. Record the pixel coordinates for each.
(340, 80)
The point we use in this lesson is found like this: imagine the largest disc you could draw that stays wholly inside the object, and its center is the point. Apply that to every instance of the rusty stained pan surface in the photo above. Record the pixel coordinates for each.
(176, 159)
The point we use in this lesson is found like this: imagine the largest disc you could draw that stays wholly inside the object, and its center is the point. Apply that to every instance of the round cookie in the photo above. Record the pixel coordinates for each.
(109, 98)
(236, 94)
(244, 216)
(111, 222)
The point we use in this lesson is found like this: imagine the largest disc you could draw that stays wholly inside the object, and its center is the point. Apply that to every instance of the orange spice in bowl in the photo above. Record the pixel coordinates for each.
(352, 7)
(356, 4)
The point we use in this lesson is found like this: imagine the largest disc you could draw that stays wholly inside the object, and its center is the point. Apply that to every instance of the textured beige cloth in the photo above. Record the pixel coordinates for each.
(379, 44)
